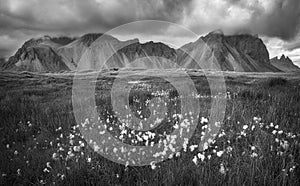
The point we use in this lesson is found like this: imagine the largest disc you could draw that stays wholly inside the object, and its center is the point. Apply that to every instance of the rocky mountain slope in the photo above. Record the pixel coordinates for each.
(243, 53)
(72, 52)
(39, 55)
(214, 51)
(144, 55)
(284, 64)
(2, 62)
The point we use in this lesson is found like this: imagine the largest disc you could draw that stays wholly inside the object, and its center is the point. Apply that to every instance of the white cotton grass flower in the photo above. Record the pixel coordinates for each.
(292, 168)
(205, 145)
(193, 147)
(55, 156)
(254, 155)
(127, 163)
(203, 120)
(76, 148)
(257, 119)
(62, 177)
(89, 160)
(195, 160)
(201, 156)
(222, 134)
(284, 144)
(153, 166)
(279, 153)
(222, 169)
(185, 144)
(243, 133)
(19, 172)
(229, 149)
(48, 165)
(220, 153)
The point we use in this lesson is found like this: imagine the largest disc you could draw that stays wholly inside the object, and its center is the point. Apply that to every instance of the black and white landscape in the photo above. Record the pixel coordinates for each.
(80, 105)
(241, 53)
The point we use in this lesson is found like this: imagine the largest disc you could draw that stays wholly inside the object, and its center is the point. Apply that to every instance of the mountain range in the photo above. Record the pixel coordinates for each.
(215, 51)
(284, 63)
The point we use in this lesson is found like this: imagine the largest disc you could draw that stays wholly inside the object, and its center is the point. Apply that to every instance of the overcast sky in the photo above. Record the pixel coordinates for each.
(275, 21)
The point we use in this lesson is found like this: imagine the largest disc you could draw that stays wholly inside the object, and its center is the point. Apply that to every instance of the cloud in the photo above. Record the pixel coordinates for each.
(165, 10)
(21, 20)
(7, 43)
(77, 15)
(277, 47)
(292, 45)
(282, 21)
(273, 18)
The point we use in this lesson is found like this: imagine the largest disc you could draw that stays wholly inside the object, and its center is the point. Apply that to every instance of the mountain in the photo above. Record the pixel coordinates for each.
(39, 55)
(284, 64)
(244, 53)
(2, 62)
(147, 55)
(95, 54)
(72, 52)
(214, 51)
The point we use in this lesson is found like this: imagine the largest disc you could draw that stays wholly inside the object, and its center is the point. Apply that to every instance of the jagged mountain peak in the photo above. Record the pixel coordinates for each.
(284, 63)
(285, 58)
(63, 40)
(89, 38)
(243, 52)
(39, 54)
(148, 49)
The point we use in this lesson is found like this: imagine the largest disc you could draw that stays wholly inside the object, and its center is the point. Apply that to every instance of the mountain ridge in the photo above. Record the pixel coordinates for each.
(215, 51)
(284, 63)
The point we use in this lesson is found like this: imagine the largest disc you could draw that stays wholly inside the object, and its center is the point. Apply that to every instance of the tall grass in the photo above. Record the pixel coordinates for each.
(39, 135)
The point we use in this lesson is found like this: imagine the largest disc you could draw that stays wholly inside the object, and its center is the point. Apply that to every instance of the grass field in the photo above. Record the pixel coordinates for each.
(258, 144)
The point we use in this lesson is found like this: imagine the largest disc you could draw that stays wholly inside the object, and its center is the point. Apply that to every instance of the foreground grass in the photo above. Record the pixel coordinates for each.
(257, 145)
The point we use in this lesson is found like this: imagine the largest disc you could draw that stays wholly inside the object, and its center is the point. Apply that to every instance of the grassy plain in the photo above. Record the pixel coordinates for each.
(258, 144)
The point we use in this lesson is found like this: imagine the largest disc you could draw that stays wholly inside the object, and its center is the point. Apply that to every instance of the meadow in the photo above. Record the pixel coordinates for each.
(258, 144)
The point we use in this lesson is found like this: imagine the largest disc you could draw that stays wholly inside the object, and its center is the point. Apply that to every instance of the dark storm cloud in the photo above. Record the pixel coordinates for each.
(75, 17)
(68, 16)
(166, 10)
(283, 21)
(273, 18)
(24, 19)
